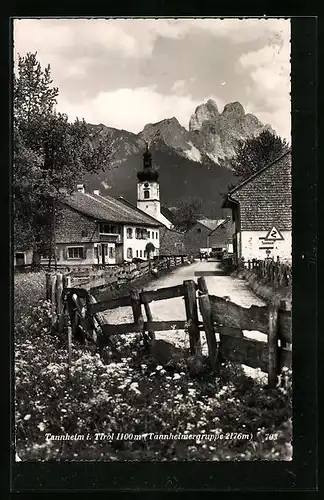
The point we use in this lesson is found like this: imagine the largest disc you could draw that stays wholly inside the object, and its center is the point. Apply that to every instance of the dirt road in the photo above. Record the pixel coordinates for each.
(223, 286)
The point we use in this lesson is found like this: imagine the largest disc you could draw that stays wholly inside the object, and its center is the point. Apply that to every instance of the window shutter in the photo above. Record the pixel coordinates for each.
(84, 253)
(65, 253)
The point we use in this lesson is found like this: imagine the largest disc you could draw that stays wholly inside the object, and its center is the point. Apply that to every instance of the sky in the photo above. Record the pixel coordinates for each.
(126, 73)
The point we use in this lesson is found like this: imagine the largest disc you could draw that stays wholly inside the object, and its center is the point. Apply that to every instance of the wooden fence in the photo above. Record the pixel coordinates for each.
(219, 316)
(121, 274)
(276, 272)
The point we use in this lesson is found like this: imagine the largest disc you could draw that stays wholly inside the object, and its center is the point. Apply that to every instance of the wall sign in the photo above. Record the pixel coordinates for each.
(274, 235)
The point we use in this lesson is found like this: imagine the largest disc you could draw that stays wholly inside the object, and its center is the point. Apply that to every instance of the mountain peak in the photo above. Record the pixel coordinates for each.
(234, 108)
(214, 133)
(206, 112)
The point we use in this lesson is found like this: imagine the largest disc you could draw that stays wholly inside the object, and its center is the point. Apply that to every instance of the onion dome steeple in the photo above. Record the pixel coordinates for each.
(148, 173)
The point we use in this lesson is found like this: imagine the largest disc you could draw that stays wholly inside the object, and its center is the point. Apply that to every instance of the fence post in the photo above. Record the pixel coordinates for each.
(48, 286)
(67, 281)
(136, 307)
(283, 307)
(273, 347)
(53, 298)
(192, 316)
(69, 344)
(59, 301)
(205, 309)
(202, 285)
(149, 318)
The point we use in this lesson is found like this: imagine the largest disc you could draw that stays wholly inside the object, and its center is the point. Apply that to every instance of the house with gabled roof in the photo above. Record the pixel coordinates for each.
(95, 229)
(202, 235)
(221, 238)
(262, 212)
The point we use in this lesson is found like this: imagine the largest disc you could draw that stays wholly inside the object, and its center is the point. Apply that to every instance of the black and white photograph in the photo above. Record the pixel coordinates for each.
(152, 239)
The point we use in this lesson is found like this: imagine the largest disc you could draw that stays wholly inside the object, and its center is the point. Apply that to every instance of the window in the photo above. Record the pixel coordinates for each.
(148, 234)
(140, 253)
(146, 193)
(111, 252)
(109, 229)
(152, 235)
(129, 253)
(102, 249)
(75, 252)
(157, 235)
(146, 184)
(84, 233)
(136, 253)
(129, 233)
(140, 233)
(198, 230)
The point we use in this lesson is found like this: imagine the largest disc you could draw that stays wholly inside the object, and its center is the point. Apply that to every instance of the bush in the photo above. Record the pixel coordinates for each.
(137, 397)
(227, 264)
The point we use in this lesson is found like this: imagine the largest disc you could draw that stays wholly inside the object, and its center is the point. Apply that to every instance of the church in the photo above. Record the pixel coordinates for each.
(148, 191)
(171, 241)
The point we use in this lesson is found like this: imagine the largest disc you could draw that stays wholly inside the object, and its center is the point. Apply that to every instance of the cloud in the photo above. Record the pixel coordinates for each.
(269, 69)
(127, 72)
(133, 37)
(134, 107)
(178, 86)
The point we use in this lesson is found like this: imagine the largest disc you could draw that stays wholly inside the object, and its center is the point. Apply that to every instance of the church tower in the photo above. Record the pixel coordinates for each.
(148, 190)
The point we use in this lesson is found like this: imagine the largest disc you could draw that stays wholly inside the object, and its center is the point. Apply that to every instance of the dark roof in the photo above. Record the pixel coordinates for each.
(211, 224)
(228, 201)
(138, 210)
(222, 224)
(109, 209)
(236, 188)
(168, 214)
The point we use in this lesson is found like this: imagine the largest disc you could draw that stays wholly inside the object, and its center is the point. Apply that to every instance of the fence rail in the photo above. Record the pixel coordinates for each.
(122, 274)
(276, 272)
(219, 317)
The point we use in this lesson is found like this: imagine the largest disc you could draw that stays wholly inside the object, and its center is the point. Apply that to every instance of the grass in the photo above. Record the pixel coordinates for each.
(266, 291)
(29, 289)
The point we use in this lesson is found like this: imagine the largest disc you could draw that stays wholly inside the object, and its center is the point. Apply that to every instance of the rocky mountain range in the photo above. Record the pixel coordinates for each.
(192, 162)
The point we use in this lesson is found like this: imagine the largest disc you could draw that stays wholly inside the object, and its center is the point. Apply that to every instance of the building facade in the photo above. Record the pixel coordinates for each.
(200, 235)
(23, 257)
(221, 238)
(262, 213)
(92, 229)
(171, 242)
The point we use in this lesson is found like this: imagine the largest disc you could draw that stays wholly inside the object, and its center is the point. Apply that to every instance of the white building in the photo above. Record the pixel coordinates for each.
(261, 208)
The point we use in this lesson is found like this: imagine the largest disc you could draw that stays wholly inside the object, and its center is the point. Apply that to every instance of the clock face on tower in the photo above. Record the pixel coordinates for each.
(146, 184)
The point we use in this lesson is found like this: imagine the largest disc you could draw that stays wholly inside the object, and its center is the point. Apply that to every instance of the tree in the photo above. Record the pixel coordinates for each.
(255, 153)
(50, 153)
(188, 210)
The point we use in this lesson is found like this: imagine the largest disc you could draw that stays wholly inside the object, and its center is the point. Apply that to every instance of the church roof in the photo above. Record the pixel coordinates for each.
(148, 173)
